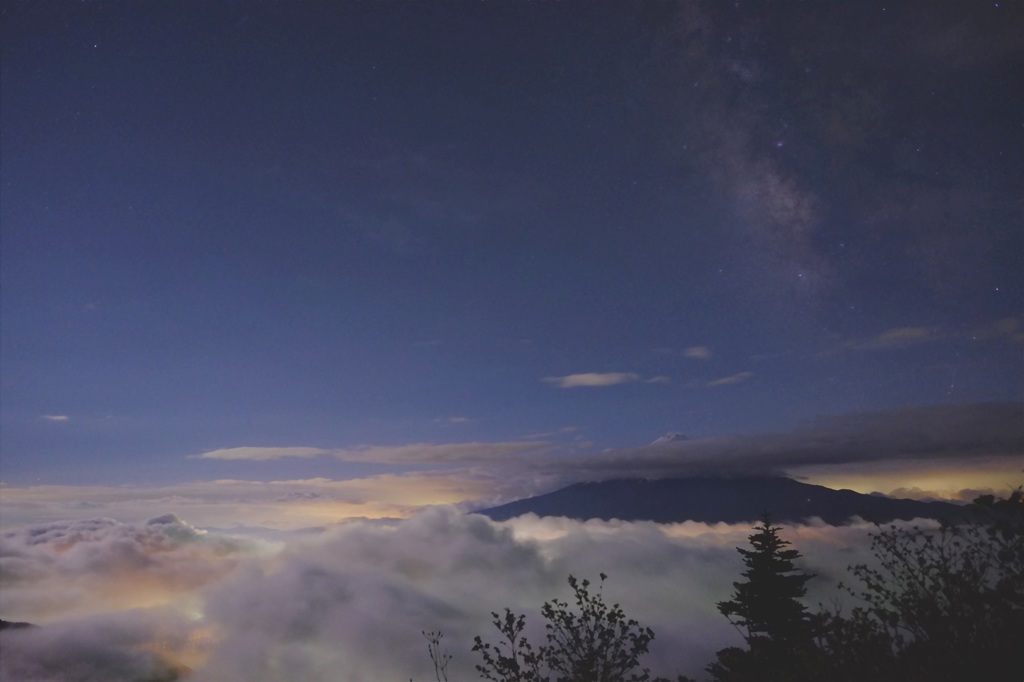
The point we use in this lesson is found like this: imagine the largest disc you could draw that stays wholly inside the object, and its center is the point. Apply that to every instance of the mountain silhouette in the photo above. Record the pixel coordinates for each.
(728, 500)
(14, 625)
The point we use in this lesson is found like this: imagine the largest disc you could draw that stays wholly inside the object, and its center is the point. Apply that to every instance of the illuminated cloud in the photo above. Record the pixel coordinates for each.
(56, 417)
(112, 566)
(697, 352)
(278, 505)
(658, 380)
(593, 379)
(927, 479)
(733, 379)
(124, 647)
(350, 603)
(261, 454)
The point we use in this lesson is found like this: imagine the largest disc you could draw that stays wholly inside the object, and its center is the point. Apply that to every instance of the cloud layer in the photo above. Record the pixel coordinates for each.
(129, 646)
(350, 603)
(950, 434)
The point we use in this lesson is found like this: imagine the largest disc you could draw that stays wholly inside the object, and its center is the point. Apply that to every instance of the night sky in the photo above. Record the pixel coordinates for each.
(285, 241)
(288, 288)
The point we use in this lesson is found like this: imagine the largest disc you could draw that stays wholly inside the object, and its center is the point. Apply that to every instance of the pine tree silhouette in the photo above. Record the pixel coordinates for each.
(766, 608)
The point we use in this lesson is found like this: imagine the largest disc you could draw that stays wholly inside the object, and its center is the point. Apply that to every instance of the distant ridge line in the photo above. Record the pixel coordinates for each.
(710, 499)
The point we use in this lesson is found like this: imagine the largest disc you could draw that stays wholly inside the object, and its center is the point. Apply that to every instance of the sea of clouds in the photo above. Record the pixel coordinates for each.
(137, 601)
(258, 581)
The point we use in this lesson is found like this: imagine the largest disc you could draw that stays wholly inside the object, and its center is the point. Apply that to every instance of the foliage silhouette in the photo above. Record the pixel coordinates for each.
(593, 642)
(941, 605)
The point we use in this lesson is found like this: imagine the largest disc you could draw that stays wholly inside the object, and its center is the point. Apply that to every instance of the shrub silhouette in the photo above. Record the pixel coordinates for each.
(941, 605)
(593, 642)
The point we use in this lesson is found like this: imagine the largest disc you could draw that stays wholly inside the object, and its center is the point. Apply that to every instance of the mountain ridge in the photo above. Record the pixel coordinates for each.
(722, 500)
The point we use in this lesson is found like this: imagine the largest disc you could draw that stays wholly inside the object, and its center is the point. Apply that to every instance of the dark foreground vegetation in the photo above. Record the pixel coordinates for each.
(942, 605)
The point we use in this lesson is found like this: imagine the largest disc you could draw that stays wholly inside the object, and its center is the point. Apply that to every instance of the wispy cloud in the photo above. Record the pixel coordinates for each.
(443, 453)
(549, 434)
(261, 454)
(1003, 330)
(56, 417)
(697, 352)
(896, 337)
(658, 380)
(732, 379)
(593, 379)
(453, 421)
(413, 453)
(1006, 329)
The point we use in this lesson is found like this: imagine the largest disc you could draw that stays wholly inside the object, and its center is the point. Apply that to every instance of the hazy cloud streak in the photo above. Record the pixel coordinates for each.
(444, 453)
(897, 337)
(593, 379)
(733, 379)
(413, 453)
(261, 454)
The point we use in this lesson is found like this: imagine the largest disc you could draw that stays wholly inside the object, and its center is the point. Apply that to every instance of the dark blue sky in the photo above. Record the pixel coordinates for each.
(334, 225)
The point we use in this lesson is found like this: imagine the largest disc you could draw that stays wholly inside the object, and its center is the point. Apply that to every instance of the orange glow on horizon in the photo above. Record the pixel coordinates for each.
(953, 480)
